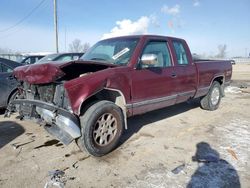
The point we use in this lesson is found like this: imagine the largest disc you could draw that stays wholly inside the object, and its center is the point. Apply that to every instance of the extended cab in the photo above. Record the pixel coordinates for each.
(89, 100)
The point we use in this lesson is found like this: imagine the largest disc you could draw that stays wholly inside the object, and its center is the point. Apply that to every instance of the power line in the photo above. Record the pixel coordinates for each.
(24, 18)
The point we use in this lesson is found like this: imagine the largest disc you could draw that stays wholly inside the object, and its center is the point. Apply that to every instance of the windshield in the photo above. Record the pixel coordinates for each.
(47, 58)
(113, 51)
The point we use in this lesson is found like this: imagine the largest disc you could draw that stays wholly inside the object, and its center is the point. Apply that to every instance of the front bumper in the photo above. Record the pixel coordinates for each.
(58, 122)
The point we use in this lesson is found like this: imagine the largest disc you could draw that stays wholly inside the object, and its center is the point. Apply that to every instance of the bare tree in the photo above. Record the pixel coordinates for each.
(222, 51)
(77, 46)
(86, 46)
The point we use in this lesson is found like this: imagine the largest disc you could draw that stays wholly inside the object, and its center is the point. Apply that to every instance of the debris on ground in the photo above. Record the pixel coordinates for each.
(67, 155)
(75, 165)
(243, 87)
(57, 178)
(178, 169)
(20, 150)
(72, 178)
(83, 158)
(16, 145)
(179, 148)
(232, 153)
(28, 134)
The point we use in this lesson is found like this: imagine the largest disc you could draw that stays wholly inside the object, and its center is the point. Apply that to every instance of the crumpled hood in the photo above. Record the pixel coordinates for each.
(39, 73)
(49, 72)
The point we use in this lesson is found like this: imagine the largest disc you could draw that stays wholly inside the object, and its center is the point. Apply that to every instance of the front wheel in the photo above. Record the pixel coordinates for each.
(212, 100)
(13, 97)
(102, 125)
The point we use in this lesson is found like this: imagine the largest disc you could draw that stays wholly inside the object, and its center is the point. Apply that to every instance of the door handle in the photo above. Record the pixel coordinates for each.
(173, 75)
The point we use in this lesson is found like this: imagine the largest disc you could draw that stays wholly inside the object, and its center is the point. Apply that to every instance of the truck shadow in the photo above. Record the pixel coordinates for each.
(9, 130)
(137, 122)
(212, 171)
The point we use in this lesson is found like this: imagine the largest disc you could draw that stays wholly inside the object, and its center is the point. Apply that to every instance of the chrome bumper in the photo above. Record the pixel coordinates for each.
(59, 122)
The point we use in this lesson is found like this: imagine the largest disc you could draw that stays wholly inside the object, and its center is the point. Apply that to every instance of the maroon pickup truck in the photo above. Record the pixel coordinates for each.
(89, 100)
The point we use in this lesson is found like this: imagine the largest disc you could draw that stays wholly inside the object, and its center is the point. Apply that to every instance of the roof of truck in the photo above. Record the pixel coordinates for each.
(145, 36)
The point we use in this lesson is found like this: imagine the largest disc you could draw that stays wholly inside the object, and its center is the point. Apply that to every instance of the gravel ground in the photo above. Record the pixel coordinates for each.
(179, 146)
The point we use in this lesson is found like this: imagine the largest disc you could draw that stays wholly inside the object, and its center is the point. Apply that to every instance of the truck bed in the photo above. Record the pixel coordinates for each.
(207, 70)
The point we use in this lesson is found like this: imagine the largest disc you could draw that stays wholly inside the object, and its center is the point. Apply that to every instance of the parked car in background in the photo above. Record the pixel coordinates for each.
(8, 84)
(62, 57)
(31, 59)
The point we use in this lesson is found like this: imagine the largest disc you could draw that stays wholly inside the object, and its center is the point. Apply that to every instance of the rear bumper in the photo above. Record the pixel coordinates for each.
(59, 122)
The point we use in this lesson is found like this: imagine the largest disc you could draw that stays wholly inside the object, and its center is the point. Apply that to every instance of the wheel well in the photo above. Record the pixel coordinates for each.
(219, 79)
(114, 96)
(15, 90)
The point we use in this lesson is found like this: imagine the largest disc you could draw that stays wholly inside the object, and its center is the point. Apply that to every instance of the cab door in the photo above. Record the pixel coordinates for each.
(185, 70)
(153, 86)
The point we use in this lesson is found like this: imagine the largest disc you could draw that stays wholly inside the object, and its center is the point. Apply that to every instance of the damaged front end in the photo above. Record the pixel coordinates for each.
(48, 105)
(44, 97)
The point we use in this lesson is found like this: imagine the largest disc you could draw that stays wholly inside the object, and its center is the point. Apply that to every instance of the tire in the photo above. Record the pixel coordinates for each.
(12, 97)
(102, 126)
(212, 100)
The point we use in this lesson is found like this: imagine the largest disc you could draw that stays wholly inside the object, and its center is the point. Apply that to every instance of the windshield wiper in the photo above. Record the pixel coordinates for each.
(96, 58)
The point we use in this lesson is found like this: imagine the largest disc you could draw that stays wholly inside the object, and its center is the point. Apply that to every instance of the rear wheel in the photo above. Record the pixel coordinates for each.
(212, 100)
(102, 126)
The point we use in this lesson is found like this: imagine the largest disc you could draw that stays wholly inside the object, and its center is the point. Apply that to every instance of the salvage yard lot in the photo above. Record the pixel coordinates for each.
(160, 148)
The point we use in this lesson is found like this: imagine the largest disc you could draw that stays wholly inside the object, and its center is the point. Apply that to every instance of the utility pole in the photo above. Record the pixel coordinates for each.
(55, 24)
(65, 40)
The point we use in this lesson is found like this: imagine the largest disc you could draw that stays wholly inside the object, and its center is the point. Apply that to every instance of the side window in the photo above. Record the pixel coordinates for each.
(1, 69)
(27, 61)
(180, 53)
(32, 60)
(75, 57)
(6, 68)
(65, 58)
(160, 50)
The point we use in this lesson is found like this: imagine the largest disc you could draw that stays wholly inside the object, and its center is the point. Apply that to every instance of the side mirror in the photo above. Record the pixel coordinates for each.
(149, 59)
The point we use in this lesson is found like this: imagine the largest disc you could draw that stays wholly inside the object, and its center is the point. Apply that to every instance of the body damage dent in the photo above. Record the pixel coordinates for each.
(99, 87)
(78, 90)
(38, 74)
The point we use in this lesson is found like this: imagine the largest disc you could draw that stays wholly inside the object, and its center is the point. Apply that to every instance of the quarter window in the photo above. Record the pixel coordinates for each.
(180, 53)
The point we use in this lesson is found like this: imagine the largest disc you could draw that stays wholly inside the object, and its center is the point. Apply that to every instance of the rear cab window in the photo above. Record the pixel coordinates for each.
(181, 53)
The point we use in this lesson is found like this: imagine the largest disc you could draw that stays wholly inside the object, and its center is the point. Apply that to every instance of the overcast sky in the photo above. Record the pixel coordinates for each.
(27, 25)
